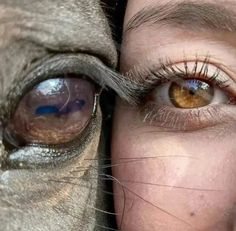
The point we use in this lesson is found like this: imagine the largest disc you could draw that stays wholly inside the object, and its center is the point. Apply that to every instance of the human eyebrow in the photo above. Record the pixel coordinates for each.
(193, 15)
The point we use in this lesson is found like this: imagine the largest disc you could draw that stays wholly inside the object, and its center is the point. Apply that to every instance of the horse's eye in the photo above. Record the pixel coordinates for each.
(55, 111)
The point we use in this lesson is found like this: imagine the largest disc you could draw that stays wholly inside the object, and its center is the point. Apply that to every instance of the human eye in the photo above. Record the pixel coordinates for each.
(188, 95)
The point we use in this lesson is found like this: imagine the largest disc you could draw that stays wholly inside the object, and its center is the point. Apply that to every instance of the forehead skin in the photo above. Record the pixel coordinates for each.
(30, 32)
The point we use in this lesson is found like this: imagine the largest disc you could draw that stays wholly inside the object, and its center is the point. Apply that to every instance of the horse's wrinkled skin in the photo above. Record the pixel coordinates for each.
(63, 197)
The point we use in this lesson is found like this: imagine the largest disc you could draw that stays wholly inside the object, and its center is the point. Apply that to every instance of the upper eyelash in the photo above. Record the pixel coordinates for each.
(173, 72)
(150, 77)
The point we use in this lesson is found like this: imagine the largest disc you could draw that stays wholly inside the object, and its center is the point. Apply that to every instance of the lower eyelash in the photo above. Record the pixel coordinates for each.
(172, 119)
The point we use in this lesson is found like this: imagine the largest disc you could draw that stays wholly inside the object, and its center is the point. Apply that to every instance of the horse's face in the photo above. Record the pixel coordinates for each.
(48, 175)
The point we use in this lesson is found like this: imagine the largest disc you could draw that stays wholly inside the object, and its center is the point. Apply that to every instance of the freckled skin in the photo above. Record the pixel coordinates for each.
(61, 197)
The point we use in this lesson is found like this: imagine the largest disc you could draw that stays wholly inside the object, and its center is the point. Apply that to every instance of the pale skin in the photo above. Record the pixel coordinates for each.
(178, 175)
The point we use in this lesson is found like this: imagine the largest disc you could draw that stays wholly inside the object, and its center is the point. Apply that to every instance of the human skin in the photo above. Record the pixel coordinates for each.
(38, 189)
(176, 172)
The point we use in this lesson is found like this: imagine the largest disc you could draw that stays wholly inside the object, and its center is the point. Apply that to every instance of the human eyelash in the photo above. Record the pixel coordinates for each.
(145, 78)
(168, 71)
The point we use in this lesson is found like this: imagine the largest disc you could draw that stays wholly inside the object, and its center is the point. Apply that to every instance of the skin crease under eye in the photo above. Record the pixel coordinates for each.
(173, 181)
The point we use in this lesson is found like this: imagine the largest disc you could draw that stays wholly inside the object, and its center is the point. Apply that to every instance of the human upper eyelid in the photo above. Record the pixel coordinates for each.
(148, 77)
(143, 71)
(203, 70)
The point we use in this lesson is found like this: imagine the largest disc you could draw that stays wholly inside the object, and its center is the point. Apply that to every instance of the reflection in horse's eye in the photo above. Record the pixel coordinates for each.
(55, 111)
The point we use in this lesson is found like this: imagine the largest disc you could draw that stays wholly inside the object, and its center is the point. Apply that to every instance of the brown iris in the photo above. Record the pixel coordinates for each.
(191, 93)
(55, 111)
